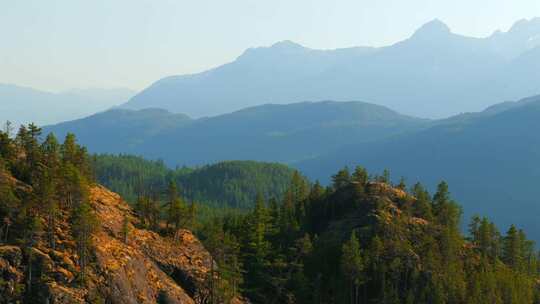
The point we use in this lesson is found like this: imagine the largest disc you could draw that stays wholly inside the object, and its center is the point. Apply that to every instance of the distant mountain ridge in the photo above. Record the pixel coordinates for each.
(284, 133)
(490, 159)
(435, 73)
(24, 105)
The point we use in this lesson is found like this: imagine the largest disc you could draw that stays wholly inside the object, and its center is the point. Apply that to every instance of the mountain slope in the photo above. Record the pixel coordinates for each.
(233, 184)
(119, 131)
(361, 238)
(283, 133)
(145, 269)
(435, 73)
(490, 159)
(48, 108)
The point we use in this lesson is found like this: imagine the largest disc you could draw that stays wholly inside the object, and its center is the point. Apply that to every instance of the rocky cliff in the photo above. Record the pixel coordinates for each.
(139, 266)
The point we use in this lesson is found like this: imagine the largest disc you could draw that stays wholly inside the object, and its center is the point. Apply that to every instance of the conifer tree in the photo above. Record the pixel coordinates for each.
(48, 201)
(83, 224)
(402, 184)
(352, 264)
(446, 210)
(422, 208)
(512, 248)
(9, 204)
(7, 148)
(69, 149)
(341, 179)
(258, 248)
(176, 212)
(385, 178)
(360, 176)
(51, 152)
(33, 231)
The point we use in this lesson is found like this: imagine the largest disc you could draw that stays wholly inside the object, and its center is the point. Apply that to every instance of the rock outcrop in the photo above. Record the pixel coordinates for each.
(139, 266)
(144, 267)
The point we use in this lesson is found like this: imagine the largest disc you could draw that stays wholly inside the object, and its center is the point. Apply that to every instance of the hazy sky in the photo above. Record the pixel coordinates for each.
(60, 44)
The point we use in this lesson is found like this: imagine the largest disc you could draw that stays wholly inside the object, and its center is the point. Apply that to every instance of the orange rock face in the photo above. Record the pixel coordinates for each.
(143, 268)
(147, 267)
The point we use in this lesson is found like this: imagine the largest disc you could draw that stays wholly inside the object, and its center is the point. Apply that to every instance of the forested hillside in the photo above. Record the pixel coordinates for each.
(362, 240)
(66, 239)
(233, 184)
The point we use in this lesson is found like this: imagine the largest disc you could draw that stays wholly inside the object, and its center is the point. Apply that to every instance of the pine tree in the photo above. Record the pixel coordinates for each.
(69, 149)
(73, 185)
(422, 208)
(402, 184)
(446, 210)
(83, 224)
(360, 176)
(341, 179)
(352, 265)
(257, 249)
(51, 152)
(177, 211)
(27, 141)
(33, 231)
(9, 204)
(474, 228)
(299, 190)
(7, 147)
(385, 178)
(512, 248)
(48, 201)
(191, 215)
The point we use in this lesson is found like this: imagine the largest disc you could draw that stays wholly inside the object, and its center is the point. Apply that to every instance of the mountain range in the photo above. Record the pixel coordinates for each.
(282, 133)
(435, 73)
(493, 150)
(23, 105)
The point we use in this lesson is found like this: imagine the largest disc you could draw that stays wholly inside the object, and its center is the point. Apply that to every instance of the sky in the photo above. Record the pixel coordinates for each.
(56, 45)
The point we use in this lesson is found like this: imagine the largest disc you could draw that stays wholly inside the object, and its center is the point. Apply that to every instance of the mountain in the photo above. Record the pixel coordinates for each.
(434, 73)
(49, 108)
(489, 158)
(276, 133)
(118, 130)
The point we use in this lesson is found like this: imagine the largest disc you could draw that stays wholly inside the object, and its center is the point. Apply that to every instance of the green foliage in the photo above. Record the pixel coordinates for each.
(233, 184)
(353, 264)
(362, 242)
